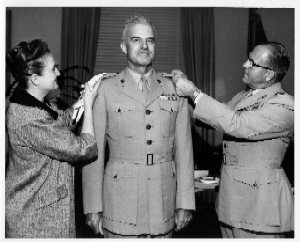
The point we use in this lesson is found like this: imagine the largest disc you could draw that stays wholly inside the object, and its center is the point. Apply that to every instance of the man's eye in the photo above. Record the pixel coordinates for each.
(150, 41)
(136, 41)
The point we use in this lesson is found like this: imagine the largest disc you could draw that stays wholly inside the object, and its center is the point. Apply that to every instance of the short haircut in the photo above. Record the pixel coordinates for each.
(278, 59)
(133, 21)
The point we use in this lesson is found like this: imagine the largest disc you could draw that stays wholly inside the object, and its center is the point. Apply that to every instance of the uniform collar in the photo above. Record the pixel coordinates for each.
(131, 89)
(262, 96)
(20, 96)
(137, 77)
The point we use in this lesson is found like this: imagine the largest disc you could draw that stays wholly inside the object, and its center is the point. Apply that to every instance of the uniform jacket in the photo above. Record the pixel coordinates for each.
(39, 192)
(254, 191)
(133, 128)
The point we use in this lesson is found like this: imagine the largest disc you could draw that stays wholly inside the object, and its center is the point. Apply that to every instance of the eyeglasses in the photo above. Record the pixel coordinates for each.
(251, 63)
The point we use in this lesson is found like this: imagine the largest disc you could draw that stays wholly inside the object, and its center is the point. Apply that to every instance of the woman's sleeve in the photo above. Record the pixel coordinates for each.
(54, 138)
(65, 116)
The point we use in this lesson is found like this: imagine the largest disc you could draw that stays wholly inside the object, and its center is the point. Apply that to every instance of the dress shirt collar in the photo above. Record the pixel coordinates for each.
(256, 91)
(137, 77)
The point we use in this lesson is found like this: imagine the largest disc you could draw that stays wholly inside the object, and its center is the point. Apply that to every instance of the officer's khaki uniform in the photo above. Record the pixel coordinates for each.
(254, 193)
(150, 168)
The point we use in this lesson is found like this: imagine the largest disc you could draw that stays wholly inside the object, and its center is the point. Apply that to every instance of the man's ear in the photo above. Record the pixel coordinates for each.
(34, 80)
(123, 47)
(270, 75)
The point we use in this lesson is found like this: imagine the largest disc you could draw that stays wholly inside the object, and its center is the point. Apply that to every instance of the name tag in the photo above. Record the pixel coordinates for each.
(169, 97)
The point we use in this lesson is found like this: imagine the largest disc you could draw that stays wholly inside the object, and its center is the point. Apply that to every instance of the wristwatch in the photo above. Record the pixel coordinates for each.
(195, 94)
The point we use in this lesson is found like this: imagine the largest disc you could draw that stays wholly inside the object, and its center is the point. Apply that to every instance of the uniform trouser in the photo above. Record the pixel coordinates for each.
(230, 232)
(108, 234)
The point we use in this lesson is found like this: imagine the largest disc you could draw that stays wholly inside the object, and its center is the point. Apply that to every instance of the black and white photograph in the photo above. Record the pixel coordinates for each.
(154, 120)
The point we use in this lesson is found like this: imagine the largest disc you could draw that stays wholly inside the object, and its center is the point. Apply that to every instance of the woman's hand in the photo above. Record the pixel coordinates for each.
(90, 94)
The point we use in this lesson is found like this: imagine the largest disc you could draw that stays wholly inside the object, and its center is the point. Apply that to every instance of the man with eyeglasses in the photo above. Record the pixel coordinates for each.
(255, 198)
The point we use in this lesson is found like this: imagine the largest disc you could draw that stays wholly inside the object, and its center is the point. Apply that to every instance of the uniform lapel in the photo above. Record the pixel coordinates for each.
(130, 88)
(259, 97)
(155, 89)
(245, 101)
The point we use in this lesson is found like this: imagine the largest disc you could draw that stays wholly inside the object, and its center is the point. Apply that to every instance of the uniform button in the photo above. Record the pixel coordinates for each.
(149, 142)
(148, 112)
(148, 126)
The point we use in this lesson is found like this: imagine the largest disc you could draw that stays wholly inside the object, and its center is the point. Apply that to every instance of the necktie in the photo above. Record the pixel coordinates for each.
(144, 85)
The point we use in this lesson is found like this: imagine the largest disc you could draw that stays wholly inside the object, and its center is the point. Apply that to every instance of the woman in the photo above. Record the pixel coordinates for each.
(39, 192)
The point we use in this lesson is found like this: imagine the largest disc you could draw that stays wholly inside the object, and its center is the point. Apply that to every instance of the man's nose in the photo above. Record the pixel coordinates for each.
(57, 72)
(144, 44)
(246, 64)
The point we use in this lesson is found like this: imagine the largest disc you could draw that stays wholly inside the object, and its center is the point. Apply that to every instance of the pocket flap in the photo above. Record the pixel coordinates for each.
(169, 106)
(121, 170)
(254, 177)
(121, 106)
(52, 197)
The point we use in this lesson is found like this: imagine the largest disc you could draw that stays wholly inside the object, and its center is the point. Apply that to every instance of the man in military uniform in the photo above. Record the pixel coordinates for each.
(147, 187)
(255, 198)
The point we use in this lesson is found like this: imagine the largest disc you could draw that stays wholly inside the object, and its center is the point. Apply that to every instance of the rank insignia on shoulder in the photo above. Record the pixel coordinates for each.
(166, 75)
(169, 97)
(108, 75)
(251, 107)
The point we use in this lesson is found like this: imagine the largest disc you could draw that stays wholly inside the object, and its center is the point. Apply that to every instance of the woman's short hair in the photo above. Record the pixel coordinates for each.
(25, 59)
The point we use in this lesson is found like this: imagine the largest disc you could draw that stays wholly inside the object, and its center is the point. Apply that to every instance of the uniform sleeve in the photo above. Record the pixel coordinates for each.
(92, 174)
(54, 139)
(184, 159)
(268, 120)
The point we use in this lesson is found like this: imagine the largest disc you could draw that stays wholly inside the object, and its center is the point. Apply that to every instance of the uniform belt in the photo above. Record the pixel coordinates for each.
(148, 159)
(251, 162)
(227, 137)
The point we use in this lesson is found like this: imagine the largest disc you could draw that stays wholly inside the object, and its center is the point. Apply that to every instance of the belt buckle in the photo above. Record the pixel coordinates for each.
(224, 160)
(149, 159)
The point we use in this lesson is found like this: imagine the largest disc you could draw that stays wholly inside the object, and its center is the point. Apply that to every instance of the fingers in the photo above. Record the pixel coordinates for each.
(100, 226)
(182, 218)
(93, 220)
(95, 79)
(97, 85)
(86, 88)
(94, 226)
(176, 72)
(182, 224)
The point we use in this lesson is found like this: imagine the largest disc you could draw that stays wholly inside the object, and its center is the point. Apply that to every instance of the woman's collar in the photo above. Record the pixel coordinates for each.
(20, 96)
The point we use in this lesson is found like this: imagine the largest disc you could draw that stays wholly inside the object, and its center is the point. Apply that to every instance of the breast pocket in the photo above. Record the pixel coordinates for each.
(168, 114)
(256, 196)
(122, 117)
